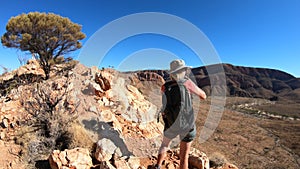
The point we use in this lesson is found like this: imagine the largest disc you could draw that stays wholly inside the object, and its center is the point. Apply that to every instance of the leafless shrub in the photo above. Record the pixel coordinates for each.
(4, 69)
(22, 58)
(52, 108)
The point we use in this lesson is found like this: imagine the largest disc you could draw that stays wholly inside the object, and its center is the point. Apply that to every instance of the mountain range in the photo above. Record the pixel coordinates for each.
(243, 81)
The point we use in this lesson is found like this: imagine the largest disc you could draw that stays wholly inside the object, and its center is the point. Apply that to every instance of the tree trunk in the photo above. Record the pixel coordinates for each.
(44, 63)
(47, 72)
(46, 68)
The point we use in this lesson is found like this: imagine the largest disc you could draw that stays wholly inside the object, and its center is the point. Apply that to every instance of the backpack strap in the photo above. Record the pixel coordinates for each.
(164, 87)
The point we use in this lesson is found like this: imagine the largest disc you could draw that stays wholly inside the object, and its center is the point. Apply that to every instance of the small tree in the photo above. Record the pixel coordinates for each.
(45, 36)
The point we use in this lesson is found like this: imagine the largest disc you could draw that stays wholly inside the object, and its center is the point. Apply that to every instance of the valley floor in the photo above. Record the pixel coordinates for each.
(250, 141)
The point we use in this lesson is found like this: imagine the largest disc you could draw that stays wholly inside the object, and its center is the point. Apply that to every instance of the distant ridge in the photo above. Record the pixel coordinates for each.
(248, 81)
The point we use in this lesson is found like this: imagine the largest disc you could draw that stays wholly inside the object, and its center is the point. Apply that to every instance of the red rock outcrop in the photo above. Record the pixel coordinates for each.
(77, 158)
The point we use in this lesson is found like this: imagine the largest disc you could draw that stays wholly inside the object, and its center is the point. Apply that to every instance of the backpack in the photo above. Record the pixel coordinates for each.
(177, 106)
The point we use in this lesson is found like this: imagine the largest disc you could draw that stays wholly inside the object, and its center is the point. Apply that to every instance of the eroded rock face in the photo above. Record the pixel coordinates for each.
(124, 104)
(118, 116)
(150, 76)
(77, 158)
(133, 106)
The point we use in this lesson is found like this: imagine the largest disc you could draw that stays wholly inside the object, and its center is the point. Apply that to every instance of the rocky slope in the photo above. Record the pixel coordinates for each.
(81, 118)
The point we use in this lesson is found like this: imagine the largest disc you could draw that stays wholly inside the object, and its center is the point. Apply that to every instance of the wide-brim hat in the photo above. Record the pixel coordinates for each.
(177, 65)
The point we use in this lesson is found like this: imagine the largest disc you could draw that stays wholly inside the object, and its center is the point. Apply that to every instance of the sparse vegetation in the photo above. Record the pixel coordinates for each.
(7, 85)
(264, 107)
(62, 67)
(49, 104)
(78, 137)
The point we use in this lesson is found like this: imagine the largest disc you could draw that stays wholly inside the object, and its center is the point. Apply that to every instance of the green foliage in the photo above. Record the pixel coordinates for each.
(46, 36)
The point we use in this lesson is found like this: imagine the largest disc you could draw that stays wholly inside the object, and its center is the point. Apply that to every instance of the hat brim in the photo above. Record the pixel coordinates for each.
(179, 68)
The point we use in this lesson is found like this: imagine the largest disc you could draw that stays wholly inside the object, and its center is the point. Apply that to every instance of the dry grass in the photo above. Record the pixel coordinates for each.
(25, 136)
(32, 144)
(252, 142)
(79, 137)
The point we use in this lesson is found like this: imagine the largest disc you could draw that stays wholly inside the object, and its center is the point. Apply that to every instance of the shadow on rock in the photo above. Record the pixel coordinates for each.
(42, 164)
(105, 130)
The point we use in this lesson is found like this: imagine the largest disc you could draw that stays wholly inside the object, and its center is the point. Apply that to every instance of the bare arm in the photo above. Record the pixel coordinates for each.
(196, 90)
(200, 93)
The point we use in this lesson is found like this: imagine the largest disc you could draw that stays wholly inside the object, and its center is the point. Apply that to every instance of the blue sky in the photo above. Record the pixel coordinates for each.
(256, 33)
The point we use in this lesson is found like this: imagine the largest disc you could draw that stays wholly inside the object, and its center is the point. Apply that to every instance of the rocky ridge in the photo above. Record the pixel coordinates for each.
(113, 113)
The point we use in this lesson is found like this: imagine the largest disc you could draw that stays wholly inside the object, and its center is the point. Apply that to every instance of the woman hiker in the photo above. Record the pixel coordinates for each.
(177, 112)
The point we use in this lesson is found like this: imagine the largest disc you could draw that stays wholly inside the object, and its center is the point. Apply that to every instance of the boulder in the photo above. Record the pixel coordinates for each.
(198, 159)
(93, 109)
(106, 165)
(130, 163)
(102, 81)
(77, 158)
(96, 89)
(93, 71)
(105, 150)
(22, 70)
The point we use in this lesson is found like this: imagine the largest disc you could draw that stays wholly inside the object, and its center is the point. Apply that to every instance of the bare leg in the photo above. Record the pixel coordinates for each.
(184, 154)
(162, 150)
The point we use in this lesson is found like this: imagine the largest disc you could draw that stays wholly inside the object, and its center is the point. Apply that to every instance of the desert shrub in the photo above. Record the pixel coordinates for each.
(217, 160)
(7, 85)
(37, 147)
(48, 104)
